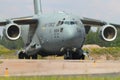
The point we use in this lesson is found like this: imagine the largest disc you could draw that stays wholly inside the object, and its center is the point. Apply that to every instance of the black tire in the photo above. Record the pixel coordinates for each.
(27, 56)
(75, 56)
(35, 56)
(78, 55)
(21, 55)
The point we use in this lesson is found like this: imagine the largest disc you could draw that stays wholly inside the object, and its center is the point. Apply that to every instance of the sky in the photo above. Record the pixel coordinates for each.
(106, 10)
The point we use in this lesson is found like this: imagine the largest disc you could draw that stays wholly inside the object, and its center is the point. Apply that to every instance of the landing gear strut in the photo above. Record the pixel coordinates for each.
(68, 55)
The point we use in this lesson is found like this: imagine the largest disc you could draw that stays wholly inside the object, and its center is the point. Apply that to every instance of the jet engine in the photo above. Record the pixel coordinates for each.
(108, 32)
(12, 31)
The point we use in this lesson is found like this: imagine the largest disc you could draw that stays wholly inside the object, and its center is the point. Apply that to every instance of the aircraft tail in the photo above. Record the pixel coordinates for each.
(37, 7)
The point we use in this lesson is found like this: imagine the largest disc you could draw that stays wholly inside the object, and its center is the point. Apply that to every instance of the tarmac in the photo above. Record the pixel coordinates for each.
(57, 67)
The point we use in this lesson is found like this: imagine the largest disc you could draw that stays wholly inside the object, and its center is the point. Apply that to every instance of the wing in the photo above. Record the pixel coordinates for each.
(108, 31)
(20, 21)
(95, 22)
(30, 20)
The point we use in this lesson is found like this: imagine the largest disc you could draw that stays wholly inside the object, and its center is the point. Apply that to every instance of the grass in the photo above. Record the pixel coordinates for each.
(61, 78)
(6, 53)
(4, 50)
(108, 52)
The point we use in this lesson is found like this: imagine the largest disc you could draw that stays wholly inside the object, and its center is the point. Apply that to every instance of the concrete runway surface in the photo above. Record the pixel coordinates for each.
(57, 67)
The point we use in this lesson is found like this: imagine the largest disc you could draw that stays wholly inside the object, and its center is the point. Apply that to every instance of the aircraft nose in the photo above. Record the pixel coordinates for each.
(74, 35)
(73, 32)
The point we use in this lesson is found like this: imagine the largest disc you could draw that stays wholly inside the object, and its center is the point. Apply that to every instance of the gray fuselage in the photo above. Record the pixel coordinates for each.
(60, 31)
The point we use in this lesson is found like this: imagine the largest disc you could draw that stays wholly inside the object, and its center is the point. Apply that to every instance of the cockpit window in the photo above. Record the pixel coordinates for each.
(67, 23)
(70, 22)
(60, 23)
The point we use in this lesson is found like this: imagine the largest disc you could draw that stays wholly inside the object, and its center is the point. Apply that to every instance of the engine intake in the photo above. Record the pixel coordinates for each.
(108, 32)
(12, 31)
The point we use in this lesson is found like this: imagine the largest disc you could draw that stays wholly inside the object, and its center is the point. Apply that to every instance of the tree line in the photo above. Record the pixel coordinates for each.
(94, 38)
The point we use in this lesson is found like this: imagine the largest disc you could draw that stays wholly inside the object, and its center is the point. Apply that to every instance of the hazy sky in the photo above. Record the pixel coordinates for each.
(107, 10)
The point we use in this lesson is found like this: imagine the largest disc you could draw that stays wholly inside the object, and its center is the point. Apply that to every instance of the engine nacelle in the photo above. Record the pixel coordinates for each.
(108, 32)
(12, 31)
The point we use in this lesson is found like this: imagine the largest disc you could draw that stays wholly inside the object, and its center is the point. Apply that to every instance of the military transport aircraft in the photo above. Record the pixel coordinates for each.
(54, 34)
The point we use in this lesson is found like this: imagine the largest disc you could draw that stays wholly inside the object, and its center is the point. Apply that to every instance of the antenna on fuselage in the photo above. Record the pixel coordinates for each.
(37, 7)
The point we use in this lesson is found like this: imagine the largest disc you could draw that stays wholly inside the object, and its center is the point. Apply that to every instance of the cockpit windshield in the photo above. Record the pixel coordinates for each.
(70, 22)
(67, 23)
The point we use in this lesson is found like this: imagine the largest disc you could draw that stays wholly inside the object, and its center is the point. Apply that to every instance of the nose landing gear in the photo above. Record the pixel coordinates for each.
(79, 54)
(68, 54)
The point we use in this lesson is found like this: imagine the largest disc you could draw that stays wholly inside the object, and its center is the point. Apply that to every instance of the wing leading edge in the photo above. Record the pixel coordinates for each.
(20, 21)
(95, 22)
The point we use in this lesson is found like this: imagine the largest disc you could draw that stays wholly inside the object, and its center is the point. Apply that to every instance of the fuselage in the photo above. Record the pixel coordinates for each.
(60, 31)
